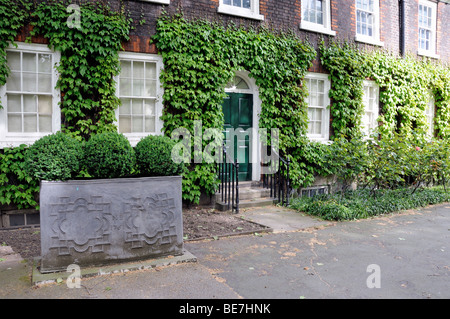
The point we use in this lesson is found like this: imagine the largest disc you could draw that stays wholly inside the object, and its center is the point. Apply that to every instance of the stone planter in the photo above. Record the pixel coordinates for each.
(97, 222)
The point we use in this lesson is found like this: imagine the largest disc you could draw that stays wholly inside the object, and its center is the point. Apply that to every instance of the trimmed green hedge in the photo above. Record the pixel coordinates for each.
(109, 155)
(154, 157)
(54, 157)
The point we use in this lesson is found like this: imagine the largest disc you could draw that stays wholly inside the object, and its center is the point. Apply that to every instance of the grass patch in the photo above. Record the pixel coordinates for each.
(360, 204)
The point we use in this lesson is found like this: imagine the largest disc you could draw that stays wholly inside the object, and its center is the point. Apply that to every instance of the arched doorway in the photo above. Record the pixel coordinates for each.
(240, 109)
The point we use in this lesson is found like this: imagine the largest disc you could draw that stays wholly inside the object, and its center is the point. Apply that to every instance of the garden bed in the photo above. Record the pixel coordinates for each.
(360, 204)
(198, 223)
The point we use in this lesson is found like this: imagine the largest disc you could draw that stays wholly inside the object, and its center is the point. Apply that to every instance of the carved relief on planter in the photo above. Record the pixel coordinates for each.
(102, 221)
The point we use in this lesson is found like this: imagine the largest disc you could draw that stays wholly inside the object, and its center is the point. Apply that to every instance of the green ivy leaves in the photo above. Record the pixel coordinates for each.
(12, 16)
(89, 63)
(200, 57)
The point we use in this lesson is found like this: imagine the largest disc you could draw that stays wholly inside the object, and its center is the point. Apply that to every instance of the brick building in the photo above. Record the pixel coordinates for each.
(415, 27)
(384, 24)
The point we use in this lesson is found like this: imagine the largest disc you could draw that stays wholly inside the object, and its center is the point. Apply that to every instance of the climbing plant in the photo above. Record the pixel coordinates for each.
(441, 91)
(348, 68)
(406, 85)
(404, 92)
(200, 57)
(89, 62)
(12, 17)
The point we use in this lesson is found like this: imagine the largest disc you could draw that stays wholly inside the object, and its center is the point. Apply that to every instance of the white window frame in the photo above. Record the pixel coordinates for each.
(158, 1)
(371, 84)
(8, 139)
(375, 38)
(325, 27)
(325, 136)
(251, 13)
(134, 138)
(432, 51)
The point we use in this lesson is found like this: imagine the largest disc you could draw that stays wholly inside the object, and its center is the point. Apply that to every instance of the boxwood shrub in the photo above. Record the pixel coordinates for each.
(54, 157)
(109, 155)
(154, 157)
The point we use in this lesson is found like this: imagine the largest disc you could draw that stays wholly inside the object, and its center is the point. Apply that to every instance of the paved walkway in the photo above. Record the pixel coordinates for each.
(403, 255)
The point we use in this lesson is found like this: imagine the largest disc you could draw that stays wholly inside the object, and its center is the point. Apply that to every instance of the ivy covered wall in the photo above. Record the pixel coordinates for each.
(200, 57)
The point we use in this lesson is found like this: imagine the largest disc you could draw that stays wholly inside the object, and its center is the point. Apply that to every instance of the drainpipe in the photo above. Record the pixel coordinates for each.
(402, 27)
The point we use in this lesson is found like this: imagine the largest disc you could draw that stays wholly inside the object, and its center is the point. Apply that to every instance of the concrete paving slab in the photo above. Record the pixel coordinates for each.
(39, 278)
(406, 253)
(411, 250)
(281, 219)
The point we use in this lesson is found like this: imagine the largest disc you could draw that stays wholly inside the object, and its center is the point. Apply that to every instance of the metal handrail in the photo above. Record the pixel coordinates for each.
(279, 182)
(228, 172)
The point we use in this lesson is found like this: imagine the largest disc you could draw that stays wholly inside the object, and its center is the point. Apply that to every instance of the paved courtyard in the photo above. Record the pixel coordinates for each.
(404, 255)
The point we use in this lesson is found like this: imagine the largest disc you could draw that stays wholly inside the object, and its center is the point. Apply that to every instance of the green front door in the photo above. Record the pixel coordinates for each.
(238, 112)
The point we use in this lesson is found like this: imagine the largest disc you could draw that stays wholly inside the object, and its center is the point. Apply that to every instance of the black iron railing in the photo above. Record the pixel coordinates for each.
(276, 178)
(228, 172)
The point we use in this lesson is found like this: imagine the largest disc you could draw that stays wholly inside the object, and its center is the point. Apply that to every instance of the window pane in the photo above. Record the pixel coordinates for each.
(125, 87)
(125, 69)
(29, 62)
(150, 88)
(320, 99)
(45, 63)
(45, 104)
(30, 123)
(318, 128)
(246, 4)
(138, 70)
(150, 71)
(14, 103)
(138, 125)
(29, 82)
(125, 124)
(14, 123)
(30, 104)
(149, 108)
(137, 107)
(13, 82)
(150, 126)
(125, 108)
(138, 87)
(45, 83)
(13, 59)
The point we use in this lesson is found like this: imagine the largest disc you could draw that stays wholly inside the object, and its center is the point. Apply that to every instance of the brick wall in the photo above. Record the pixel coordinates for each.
(286, 14)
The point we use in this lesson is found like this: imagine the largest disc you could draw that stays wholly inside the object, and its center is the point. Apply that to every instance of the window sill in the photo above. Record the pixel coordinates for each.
(239, 12)
(18, 139)
(368, 40)
(323, 140)
(428, 54)
(158, 1)
(313, 27)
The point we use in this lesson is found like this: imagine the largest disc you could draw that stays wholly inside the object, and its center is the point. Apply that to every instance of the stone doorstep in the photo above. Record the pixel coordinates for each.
(39, 278)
